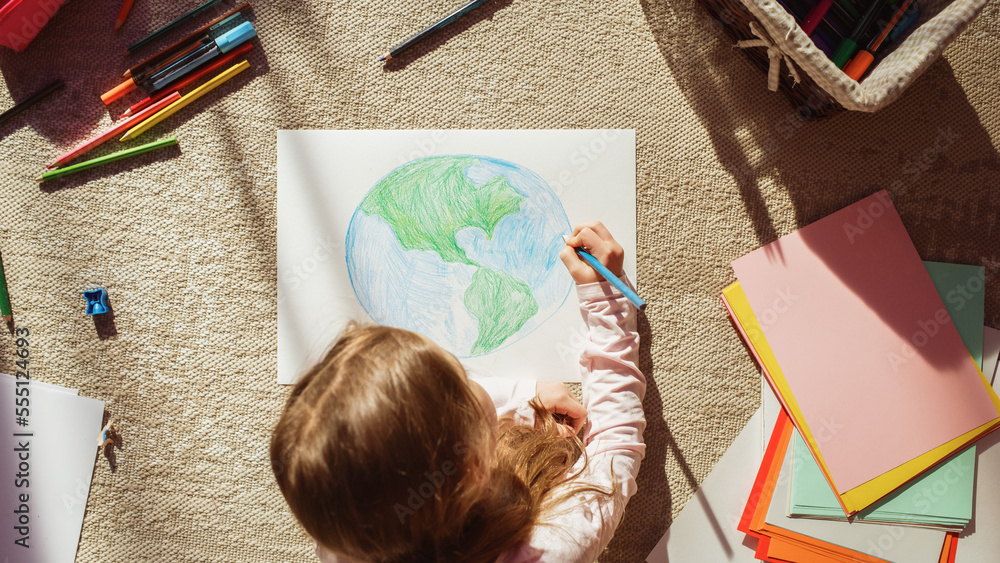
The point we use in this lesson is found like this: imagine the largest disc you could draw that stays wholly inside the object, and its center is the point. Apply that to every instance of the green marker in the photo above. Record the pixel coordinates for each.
(8, 316)
(108, 158)
(850, 9)
(849, 45)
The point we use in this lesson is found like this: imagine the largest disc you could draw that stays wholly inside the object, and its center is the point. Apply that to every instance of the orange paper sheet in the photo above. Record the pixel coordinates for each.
(864, 495)
(778, 545)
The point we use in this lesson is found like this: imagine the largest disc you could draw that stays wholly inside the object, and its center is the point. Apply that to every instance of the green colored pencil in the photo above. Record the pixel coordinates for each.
(108, 158)
(8, 316)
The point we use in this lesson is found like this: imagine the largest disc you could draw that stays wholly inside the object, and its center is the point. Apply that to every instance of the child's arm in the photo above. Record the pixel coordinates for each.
(613, 388)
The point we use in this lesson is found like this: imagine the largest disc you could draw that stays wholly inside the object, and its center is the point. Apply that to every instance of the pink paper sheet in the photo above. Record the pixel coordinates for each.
(864, 340)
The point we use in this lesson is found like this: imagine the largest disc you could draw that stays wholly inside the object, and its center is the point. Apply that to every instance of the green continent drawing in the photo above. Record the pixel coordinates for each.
(488, 289)
(426, 204)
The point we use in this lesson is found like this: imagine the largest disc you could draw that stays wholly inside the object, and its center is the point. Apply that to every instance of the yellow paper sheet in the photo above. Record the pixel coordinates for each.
(865, 494)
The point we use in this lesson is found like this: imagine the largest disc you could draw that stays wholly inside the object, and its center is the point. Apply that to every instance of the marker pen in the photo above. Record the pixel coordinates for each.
(204, 53)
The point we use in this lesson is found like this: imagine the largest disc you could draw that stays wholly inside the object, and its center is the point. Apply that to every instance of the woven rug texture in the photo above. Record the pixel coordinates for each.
(185, 239)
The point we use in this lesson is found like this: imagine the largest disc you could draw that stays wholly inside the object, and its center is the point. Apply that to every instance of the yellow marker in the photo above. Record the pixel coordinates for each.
(179, 104)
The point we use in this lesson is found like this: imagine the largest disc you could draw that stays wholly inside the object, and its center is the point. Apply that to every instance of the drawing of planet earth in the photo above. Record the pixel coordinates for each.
(462, 249)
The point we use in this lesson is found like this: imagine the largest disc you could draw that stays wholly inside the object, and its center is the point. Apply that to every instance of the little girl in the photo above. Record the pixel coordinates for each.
(388, 452)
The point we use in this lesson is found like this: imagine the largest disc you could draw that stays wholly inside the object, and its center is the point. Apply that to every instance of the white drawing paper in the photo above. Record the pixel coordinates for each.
(59, 458)
(452, 234)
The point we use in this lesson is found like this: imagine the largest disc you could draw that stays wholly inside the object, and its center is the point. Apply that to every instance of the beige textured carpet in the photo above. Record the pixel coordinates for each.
(184, 240)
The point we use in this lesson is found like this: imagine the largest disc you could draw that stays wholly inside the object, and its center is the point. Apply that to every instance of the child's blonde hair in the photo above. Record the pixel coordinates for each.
(384, 454)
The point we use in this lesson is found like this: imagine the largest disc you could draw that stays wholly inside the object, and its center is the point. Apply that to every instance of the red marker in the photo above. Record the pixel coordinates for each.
(189, 79)
(816, 15)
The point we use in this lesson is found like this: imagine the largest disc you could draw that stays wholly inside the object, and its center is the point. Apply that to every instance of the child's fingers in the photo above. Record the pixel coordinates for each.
(580, 271)
(606, 250)
(596, 226)
(576, 414)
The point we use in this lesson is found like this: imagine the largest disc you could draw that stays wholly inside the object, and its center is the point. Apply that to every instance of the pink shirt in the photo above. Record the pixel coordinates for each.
(613, 388)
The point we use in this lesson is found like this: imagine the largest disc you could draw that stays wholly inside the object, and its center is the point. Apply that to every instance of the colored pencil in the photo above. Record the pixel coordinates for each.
(443, 22)
(8, 315)
(184, 101)
(107, 158)
(123, 13)
(145, 40)
(32, 100)
(183, 43)
(188, 80)
(863, 59)
(89, 144)
(612, 279)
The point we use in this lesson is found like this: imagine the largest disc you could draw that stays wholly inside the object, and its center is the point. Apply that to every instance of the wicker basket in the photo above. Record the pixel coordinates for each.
(823, 89)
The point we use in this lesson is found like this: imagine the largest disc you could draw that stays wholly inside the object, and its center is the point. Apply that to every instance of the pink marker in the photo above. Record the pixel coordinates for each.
(815, 16)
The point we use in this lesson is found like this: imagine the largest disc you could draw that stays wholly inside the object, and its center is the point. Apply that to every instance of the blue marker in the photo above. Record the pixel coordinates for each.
(612, 279)
(207, 51)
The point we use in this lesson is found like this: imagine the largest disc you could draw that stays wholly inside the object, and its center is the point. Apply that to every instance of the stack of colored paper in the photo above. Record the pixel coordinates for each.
(707, 529)
(860, 349)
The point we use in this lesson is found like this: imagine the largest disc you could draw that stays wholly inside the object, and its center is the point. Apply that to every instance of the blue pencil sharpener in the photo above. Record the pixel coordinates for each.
(97, 301)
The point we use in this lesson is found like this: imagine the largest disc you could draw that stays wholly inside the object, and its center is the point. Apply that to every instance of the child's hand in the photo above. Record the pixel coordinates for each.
(595, 239)
(555, 397)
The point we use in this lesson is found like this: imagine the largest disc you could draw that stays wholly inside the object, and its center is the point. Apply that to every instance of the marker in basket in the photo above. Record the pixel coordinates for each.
(861, 61)
(816, 15)
(849, 45)
(443, 22)
(611, 278)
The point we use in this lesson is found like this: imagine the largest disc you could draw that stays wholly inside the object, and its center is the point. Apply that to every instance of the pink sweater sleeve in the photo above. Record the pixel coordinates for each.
(613, 388)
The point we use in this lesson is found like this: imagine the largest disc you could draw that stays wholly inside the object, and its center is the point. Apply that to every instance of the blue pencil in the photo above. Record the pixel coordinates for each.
(612, 279)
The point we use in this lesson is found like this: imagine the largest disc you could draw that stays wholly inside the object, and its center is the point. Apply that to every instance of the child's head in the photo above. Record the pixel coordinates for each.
(386, 451)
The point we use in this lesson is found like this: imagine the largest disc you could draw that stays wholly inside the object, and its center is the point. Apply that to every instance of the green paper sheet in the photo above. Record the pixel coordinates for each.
(943, 495)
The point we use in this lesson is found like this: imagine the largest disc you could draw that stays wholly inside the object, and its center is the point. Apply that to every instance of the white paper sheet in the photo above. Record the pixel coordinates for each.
(705, 530)
(991, 354)
(337, 262)
(980, 541)
(60, 457)
(40, 384)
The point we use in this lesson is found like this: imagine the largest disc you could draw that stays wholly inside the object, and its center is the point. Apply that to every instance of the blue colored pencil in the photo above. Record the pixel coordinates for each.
(612, 279)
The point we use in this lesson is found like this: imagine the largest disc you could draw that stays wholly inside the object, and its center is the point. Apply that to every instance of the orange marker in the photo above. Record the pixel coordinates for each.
(118, 91)
(187, 81)
(114, 131)
(122, 14)
(861, 61)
